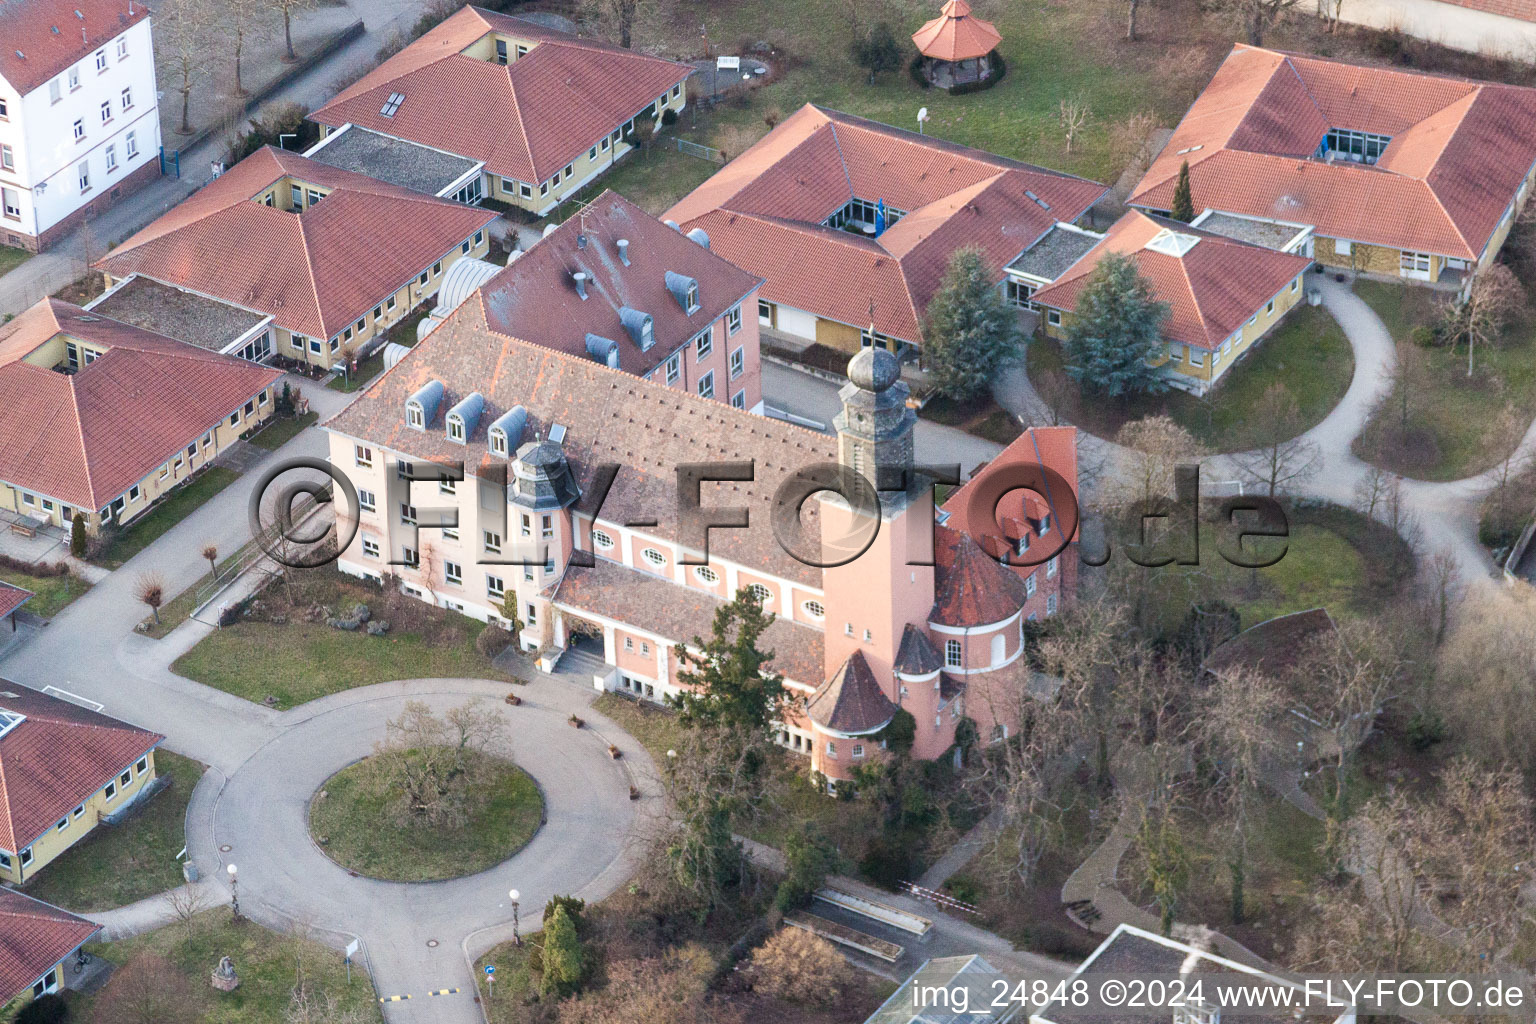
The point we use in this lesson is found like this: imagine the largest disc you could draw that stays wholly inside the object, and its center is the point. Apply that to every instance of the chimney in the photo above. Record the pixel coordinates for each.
(580, 278)
(624, 251)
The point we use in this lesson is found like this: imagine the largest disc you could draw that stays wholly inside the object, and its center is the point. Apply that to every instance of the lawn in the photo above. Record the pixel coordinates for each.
(269, 965)
(1451, 433)
(359, 823)
(1334, 559)
(121, 864)
(655, 178)
(50, 594)
(12, 257)
(1307, 352)
(169, 511)
(295, 661)
(281, 429)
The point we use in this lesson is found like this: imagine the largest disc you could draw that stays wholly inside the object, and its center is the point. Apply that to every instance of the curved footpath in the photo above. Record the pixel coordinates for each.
(1447, 511)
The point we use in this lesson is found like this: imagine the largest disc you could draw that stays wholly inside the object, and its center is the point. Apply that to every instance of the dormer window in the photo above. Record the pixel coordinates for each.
(455, 428)
(392, 104)
(498, 442)
(685, 290)
(692, 303)
(1045, 524)
(414, 418)
(647, 334)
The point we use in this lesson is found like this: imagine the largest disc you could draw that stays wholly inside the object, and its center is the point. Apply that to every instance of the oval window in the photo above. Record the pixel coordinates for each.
(653, 556)
(815, 609)
(763, 594)
(707, 575)
(601, 540)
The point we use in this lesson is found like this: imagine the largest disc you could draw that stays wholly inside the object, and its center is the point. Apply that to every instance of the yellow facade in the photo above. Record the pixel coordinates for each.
(1180, 359)
(177, 469)
(838, 336)
(78, 823)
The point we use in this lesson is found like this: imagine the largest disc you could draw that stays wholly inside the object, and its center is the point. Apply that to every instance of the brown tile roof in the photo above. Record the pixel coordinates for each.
(764, 211)
(48, 36)
(956, 34)
(681, 613)
(535, 298)
(971, 588)
(852, 700)
(12, 598)
(916, 656)
(1525, 10)
(56, 758)
(1215, 287)
(85, 438)
(1271, 646)
(524, 120)
(34, 937)
(314, 272)
(610, 416)
(1459, 151)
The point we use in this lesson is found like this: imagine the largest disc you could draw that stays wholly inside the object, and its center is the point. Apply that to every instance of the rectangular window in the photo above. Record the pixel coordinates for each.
(410, 557)
(453, 572)
(131, 145)
(1029, 585)
(106, 111)
(110, 791)
(10, 202)
(733, 320)
(547, 526)
(365, 501)
(101, 60)
(1050, 604)
(83, 172)
(133, 493)
(1052, 566)
(525, 190)
(370, 547)
(739, 400)
(437, 268)
(738, 363)
(1053, 317)
(122, 47)
(74, 79)
(592, 153)
(492, 542)
(363, 455)
(112, 157)
(7, 158)
(1196, 357)
(952, 653)
(54, 91)
(604, 144)
(407, 513)
(495, 587)
(79, 129)
(674, 366)
(707, 385)
(464, 249)
(703, 345)
(314, 197)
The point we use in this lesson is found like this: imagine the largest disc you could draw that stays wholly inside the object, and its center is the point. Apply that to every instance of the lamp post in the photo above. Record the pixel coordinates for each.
(516, 939)
(234, 890)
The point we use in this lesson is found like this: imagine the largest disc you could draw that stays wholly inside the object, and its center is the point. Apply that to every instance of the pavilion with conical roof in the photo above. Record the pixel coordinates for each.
(957, 46)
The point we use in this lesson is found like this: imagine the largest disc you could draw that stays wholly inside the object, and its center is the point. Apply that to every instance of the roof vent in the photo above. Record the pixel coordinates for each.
(580, 277)
(623, 244)
(21, 55)
(699, 235)
(672, 224)
(55, 29)
(549, 229)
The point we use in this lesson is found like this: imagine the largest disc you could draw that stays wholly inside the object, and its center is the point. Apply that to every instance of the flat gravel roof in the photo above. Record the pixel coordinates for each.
(195, 319)
(419, 168)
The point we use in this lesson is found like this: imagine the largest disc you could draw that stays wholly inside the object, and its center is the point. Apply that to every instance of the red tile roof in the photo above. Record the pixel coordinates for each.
(524, 120)
(34, 937)
(957, 34)
(57, 757)
(314, 272)
(1459, 151)
(680, 613)
(609, 415)
(12, 598)
(1052, 447)
(852, 701)
(971, 588)
(87, 437)
(764, 211)
(1215, 287)
(1525, 10)
(535, 298)
(40, 38)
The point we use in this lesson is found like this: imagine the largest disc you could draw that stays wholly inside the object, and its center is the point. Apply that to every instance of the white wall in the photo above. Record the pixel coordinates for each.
(42, 137)
(1448, 24)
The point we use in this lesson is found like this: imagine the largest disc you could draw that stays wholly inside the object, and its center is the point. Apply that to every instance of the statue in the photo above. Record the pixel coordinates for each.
(224, 977)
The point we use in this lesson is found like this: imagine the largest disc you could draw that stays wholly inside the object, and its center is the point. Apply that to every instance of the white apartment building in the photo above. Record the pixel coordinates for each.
(79, 119)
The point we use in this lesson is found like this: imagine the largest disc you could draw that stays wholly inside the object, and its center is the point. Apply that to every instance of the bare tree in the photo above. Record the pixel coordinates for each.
(184, 42)
(185, 903)
(1131, 142)
(1279, 453)
(1255, 16)
(1486, 689)
(288, 8)
(616, 19)
(310, 1005)
(430, 763)
(799, 966)
(148, 989)
(1074, 115)
(1509, 499)
(1495, 297)
(1130, 19)
(238, 19)
(150, 589)
(660, 990)
(211, 553)
(1162, 446)
(1332, 12)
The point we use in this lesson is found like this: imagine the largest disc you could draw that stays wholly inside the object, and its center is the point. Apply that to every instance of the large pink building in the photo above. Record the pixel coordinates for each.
(613, 581)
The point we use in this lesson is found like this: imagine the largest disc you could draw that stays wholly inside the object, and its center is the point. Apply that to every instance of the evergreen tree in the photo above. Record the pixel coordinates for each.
(878, 51)
(1116, 330)
(1183, 198)
(563, 959)
(809, 857)
(77, 535)
(971, 330)
(727, 682)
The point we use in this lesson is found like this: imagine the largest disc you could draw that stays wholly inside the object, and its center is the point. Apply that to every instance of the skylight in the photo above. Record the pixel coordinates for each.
(10, 720)
(1173, 243)
(392, 104)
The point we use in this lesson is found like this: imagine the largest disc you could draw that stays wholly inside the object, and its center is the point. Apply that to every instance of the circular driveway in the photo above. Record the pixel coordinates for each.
(261, 815)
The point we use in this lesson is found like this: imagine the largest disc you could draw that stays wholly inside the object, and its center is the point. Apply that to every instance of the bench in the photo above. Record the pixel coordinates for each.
(727, 63)
(28, 526)
(845, 936)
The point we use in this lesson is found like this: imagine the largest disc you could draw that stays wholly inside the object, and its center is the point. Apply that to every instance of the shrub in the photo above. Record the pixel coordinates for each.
(34, 568)
(46, 1009)
(77, 536)
(669, 116)
(999, 69)
(915, 69)
(1423, 336)
(574, 906)
(564, 957)
(797, 966)
(1425, 729)
(887, 862)
(492, 641)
